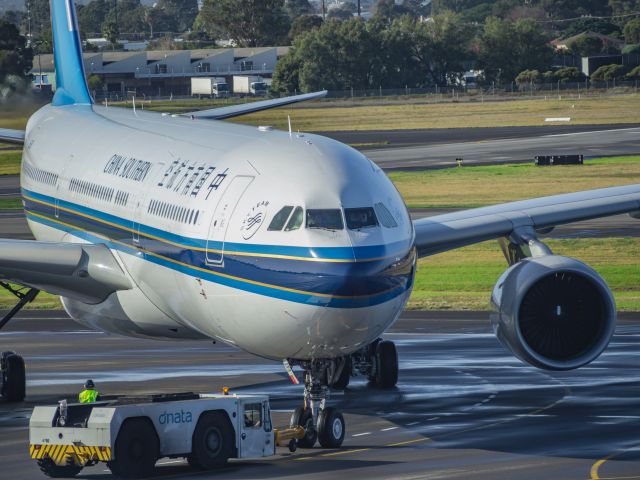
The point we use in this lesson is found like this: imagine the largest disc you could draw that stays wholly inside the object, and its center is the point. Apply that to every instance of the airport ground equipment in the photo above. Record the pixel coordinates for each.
(12, 371)
(550, 160)
(130, 434)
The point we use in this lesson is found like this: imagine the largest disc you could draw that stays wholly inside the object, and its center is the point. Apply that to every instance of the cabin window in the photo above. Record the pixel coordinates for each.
(328, 219)
(384, 215)
(280, 219)
(295, 222)
(358, 218)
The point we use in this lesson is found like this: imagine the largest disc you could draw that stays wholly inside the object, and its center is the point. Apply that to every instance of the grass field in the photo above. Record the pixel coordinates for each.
(332, 115)
(602, 110)
(478, 186)
(463, 279)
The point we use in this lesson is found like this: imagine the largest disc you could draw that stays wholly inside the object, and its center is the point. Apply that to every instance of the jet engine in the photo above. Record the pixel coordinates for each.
(553, 312)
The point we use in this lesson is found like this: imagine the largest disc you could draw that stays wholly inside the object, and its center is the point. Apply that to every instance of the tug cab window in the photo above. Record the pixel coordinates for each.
(328, 219)
(296, 220)
(253, 415)
(280, 219)
(358, 218)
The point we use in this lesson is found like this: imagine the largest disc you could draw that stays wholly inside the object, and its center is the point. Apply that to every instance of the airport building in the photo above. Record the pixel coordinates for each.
(165, 73)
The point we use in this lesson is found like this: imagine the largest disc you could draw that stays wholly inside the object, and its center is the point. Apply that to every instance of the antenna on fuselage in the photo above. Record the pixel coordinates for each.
(290, 131)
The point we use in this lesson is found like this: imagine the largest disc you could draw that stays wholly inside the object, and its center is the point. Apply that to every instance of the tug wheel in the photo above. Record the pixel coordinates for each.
(50, 469)
(136, 449)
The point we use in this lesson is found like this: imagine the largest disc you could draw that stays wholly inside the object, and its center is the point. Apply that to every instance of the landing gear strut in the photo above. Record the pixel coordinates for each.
(378, 362)
(12, 371)
(321, 422)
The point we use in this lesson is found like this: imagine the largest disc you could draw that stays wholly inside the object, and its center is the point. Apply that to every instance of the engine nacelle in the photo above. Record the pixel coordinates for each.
(553, 312)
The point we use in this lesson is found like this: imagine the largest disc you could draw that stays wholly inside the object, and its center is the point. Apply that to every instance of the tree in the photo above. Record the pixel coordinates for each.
(574, 8)
(40, 18)
(298, 8)
(286, 76)
(507, 48)
(15, 57)
(13, 16)
(569, 75)
(632, 31)
(343, 12)
(184, 12)
(527, 77)
(624, 7)
(92, 16)
(586, 46)
(303, 24)
(388, 10)
(587, 24)
(157, 20)
(250, 23)
(607, 73)
(111, 32)
(634, 74)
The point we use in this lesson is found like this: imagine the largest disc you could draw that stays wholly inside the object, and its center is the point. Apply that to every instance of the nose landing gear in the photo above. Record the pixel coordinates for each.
(320, 422)
(377, 361)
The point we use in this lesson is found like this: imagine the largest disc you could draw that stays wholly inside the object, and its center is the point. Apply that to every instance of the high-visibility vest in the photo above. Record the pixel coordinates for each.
(88, 396)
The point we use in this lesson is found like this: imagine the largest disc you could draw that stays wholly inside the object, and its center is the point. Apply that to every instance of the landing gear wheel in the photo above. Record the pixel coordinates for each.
(136, 449)
(345, 375)
(331, 428)
(387, 363)
(211, 445)
(13, 381)
(302, 417)
(50, 469)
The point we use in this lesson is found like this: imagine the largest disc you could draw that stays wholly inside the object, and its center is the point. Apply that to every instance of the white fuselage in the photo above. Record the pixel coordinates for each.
(186, 206)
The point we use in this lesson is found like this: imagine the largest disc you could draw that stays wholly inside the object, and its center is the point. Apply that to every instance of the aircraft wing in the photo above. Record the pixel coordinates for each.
(236, 110)
(85, 272)
(11, 136)
(453, 230)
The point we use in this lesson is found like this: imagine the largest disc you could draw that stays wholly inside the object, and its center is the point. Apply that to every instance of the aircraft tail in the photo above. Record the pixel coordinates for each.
(71, 83)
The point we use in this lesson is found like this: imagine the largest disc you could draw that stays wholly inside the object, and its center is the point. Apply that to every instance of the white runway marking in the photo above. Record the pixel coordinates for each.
(361, 434)
(387, 429)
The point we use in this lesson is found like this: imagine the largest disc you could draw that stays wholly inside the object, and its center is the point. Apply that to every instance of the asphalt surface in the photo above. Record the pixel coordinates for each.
(464, 407)
(488, 147)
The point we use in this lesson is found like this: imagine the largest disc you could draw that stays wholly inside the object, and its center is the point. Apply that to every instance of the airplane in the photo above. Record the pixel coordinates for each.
(290, 246)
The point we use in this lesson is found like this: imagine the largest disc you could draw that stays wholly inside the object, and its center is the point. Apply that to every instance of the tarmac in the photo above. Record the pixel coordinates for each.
(464, 407)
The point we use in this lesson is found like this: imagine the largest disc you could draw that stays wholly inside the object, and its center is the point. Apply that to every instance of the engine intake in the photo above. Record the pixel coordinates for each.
(553, 312)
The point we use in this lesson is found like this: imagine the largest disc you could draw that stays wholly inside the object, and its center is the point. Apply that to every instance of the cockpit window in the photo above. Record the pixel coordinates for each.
(295, 221)
(280, 219)
(384, 215)
(328, 219)
(358, 218)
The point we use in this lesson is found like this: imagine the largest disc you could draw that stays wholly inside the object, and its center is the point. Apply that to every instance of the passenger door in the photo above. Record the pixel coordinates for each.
(222, 216)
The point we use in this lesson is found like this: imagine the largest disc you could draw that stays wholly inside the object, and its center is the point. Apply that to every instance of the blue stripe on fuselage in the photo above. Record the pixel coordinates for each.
(338, 284)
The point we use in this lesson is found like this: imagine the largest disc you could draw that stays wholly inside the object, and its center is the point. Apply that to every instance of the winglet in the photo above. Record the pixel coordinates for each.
(71, 84)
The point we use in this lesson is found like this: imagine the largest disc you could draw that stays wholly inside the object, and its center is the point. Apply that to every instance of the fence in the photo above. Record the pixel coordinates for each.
(450, 93)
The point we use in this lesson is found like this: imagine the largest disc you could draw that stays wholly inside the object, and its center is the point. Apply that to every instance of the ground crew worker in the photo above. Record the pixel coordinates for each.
(89, 394)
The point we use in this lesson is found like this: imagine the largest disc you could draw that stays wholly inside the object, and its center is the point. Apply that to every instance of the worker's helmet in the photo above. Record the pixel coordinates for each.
(89, 384)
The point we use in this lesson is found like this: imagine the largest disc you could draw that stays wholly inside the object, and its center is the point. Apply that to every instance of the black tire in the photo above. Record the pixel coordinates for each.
(342, 381)
(387, 363)
(212, 442)
(302, 417)
(136, 449)
(331, 428)
(50, 469)
(13, 389)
